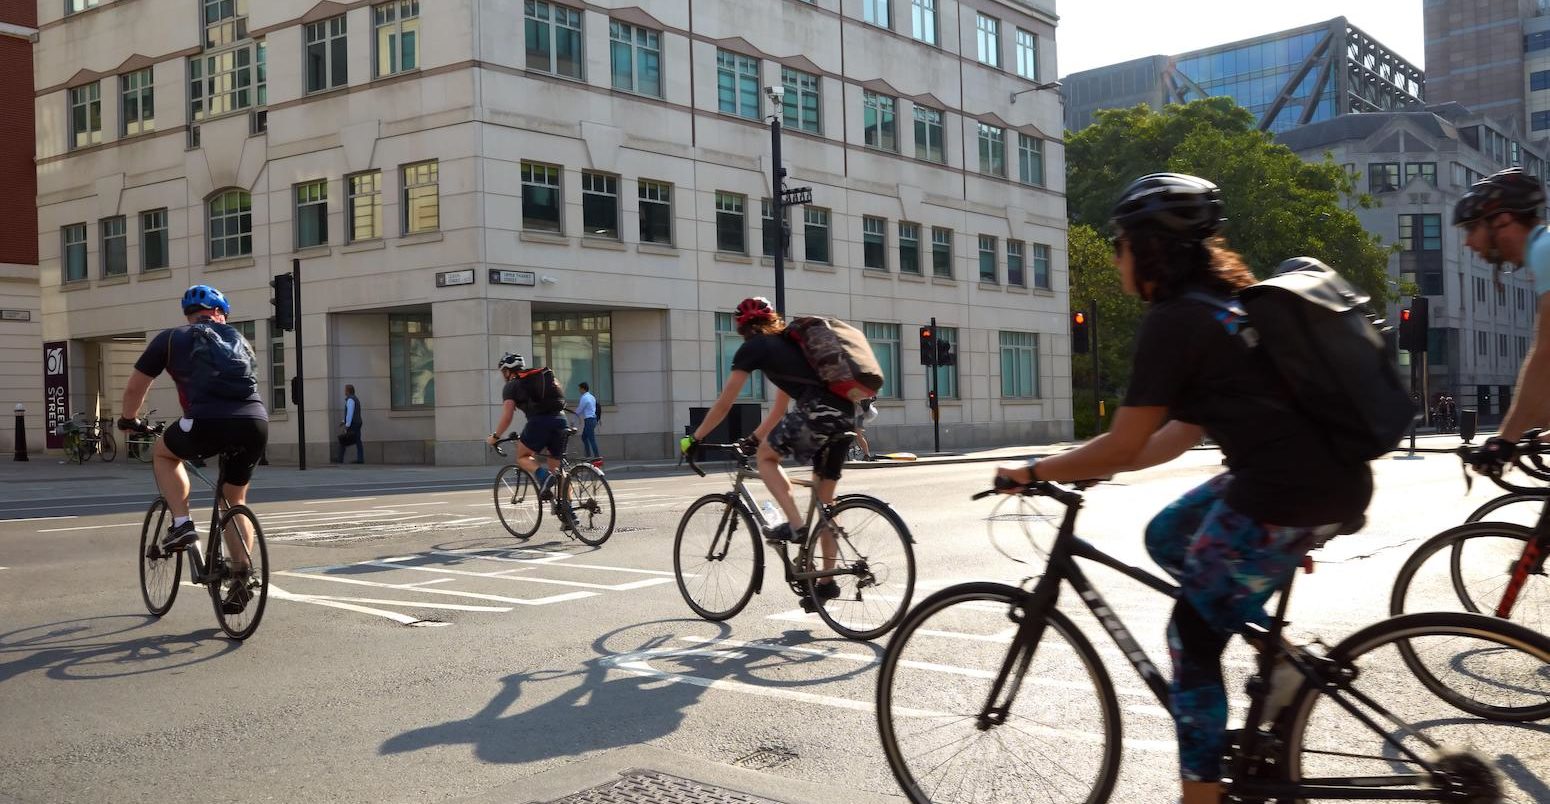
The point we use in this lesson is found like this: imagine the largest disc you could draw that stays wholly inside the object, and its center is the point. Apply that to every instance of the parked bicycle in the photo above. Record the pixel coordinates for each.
(233, 567)
(989, 691)
(140, 444)
(578, 496)
(85, 436)
(869, 555)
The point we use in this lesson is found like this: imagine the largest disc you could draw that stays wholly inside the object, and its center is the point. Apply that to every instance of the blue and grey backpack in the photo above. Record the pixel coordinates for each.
(223, 364)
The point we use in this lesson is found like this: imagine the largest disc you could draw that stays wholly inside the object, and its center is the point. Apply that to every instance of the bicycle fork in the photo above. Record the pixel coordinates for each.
(1025, 643)
(1532, 562)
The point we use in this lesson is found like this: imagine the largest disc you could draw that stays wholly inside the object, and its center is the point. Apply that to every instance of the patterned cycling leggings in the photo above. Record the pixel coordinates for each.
(1228, 566)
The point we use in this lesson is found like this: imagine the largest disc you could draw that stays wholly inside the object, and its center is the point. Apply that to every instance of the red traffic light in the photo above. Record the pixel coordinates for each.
(1079, 318)
(1404, 315)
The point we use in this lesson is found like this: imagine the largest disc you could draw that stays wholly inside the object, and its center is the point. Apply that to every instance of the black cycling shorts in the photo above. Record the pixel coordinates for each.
(239, 442)
(546, 432)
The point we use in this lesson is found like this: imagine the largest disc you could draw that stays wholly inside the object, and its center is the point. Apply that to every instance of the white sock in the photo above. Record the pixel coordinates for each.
(178, 520)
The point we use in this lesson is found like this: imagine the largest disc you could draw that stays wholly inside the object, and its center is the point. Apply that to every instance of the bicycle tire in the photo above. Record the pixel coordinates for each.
(589, 522)
(107, 448)
(517, 490)
(1510, 498)
(708, 564)
(141, 449)
(159, 576)
(995, 606)
(1420, 713)
(849, 614)
(241, 624)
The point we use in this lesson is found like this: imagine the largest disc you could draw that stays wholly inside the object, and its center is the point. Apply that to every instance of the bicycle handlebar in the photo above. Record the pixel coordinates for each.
(744, 449)
(497, 445)
(1066, 493)
(1528, 456)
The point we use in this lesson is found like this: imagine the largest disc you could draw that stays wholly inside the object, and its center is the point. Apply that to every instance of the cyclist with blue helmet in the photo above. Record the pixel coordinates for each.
(215, 371)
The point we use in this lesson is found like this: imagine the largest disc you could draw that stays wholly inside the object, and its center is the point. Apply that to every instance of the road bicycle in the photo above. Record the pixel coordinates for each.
(85, 436)
(988, 691)
(238, 595)
(583, 503)
(140, 444)
(859, 542)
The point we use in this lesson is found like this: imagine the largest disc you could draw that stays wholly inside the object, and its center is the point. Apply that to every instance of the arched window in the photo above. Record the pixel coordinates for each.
(231, 225)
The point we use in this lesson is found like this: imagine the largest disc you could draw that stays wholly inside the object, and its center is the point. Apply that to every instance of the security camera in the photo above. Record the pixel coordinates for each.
(775, 92)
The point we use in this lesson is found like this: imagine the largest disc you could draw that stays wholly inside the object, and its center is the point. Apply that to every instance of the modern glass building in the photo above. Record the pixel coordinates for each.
(1286, 79)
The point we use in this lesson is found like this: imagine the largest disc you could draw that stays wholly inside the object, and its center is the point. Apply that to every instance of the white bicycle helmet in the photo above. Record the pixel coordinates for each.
(511, 362)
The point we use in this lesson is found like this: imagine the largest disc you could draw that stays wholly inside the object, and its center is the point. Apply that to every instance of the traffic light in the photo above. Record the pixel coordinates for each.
(931, 399)
(944, 352)
(284, 302)
(1414, 323)
(1079, 341)
(927, 346)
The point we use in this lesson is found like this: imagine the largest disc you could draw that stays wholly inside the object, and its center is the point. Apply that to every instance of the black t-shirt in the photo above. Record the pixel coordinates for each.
(1190, 360)
(783, 362)
(515, 391)
(174, 358)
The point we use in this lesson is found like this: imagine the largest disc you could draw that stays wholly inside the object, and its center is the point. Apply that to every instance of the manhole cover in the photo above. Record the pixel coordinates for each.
(651, 786)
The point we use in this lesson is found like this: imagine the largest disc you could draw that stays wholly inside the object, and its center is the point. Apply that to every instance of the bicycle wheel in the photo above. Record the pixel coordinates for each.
(715, 576)
(516, 501)
(872, 547)
(1523, 509)
(140, 448)
(591, 504)
(107, 448)
(1416, 731)
(1060, 740)
(239, 597)
(159, 572)
(1475, 567)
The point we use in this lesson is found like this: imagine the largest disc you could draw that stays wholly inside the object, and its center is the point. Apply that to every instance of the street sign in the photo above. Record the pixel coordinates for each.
(447, 279)
(796, 195)
(15, 315)
(501, 276)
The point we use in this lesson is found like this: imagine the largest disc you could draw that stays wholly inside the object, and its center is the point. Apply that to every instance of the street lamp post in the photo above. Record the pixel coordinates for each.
(777, 95)
(1035, 88)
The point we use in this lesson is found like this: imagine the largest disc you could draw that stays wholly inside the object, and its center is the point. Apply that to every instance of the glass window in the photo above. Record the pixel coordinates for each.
(553, 38)
(1019, 365)
(635, 57)
(928, 134)
(1030, 164)
(992, 150)
(398, 36)
(879, 129)
(909, 248)
(115, 246)
(277, 384)
(85, 115)
(74, 261)
(77, 6)
(541, 197)
(225, 82)
(656, 212)
(326, 55)
(412, 360)
(1014, 264)
(137, 109)
(923, 20)
(365, 206)
(226, 22)
(1041, 266)
(1382, 177)
(1420, 232)
(988, 259)
(800, 108)
(874, 243)
(577, 347)
(600, 205)
(421, 199)
(1533, 41)
(1427, 171)
(731, 228)
(1028, 54)
(947, 376)
(884, 339)
(877, 12)
(737, 84)
(1539, 80)
(768, 229)
(816, 234)
(727, 343)
(989, 30)
(941, 252)
(231, 225)
(153, 239)
(312, 213)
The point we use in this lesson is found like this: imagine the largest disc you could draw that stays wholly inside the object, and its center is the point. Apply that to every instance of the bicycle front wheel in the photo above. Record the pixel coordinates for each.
(871, 549)
(241, 587)
(936, 681)
(108, 448)
(717, 566)
(516, 501)
(1416, 734)
(1478, 568)
(1520, 508)
(159, 572)
(591, 504)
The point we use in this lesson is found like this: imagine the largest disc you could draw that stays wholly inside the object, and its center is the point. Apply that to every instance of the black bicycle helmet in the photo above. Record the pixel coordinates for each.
(1172, 204)
(1510, 190)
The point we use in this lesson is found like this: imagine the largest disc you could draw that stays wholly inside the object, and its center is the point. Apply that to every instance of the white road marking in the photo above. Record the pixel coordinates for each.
(542, 601)
(406, 505)
(281, 594)
(621, 587)
(554, 560)
(37, 519)
(410, 603)
(91, 527)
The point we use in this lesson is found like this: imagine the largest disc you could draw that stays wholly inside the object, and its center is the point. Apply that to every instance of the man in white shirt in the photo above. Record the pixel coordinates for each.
(586, 410)
(352, 425)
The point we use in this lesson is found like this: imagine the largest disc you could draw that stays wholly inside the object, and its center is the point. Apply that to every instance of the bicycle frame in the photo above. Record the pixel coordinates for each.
(1317, 671)
(200, 569)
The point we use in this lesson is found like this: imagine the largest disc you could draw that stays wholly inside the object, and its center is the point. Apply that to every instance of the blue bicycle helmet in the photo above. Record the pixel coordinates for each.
(204, 297)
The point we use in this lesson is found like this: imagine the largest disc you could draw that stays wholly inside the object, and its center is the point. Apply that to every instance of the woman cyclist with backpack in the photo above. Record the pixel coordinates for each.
(1233, 540)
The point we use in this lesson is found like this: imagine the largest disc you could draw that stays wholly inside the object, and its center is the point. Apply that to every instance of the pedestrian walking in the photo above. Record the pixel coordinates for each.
(587, 411)
(352, 426)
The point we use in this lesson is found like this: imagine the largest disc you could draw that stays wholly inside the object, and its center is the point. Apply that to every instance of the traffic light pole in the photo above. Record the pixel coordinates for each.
(296, 395)
(936, 412)
(778, 200)
(1092, 316)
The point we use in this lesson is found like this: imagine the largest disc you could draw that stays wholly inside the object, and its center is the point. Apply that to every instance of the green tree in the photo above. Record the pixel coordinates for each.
(1095, 280)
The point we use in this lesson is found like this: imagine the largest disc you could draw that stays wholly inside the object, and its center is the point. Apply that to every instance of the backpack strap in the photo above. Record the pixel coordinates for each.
(1230, 314)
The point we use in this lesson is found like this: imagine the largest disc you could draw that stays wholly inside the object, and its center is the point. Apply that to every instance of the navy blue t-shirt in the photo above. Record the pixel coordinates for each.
(169, 351)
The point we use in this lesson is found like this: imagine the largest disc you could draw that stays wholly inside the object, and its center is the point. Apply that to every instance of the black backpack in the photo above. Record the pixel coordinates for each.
(542, 390)
(222, 363)
(1316, 330)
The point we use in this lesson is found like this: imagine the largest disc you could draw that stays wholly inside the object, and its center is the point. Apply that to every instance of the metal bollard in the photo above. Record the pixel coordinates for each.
(21, 433)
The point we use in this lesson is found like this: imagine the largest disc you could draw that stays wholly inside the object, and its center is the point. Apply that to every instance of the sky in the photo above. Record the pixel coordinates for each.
(1094, 33)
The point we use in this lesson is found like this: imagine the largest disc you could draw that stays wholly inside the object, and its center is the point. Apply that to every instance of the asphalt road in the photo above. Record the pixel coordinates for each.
(413, 651)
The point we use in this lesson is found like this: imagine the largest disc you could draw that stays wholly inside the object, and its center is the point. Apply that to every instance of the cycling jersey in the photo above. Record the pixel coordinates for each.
(1537, 259)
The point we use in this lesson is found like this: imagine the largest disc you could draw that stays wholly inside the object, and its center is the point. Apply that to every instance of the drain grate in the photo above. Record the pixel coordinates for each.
(651, 786)
(769, 756)
(627, 529)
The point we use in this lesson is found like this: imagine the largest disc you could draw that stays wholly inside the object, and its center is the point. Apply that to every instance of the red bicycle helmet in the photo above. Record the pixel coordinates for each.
(754, 309)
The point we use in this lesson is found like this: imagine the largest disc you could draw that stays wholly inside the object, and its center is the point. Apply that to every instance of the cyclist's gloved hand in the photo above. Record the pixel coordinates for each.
(1493, 456)
(749, 444)
(687, 445)
(1012, 477)
(129, 425)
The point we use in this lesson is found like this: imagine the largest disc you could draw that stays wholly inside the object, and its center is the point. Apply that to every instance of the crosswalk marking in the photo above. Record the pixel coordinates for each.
(579, 584)
(542, 601)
